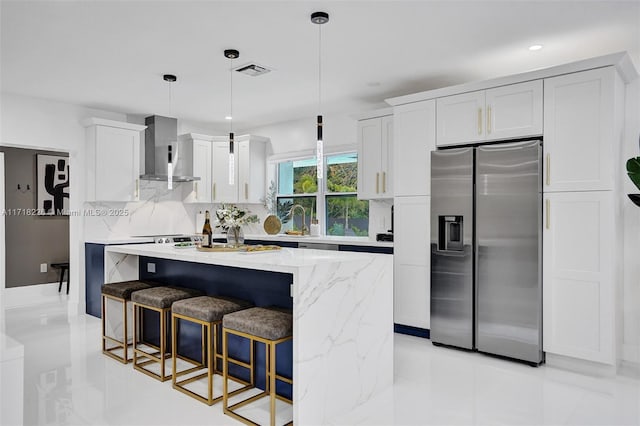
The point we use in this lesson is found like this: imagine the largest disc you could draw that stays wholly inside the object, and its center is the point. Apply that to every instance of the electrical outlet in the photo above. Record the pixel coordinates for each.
(43, 267)
(151, 267)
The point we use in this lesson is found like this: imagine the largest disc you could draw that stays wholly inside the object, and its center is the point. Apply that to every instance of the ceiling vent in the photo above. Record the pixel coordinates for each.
(253, 70)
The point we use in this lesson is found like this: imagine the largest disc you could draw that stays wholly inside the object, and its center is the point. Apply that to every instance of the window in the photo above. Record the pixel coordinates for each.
(334, 203)
(297, 184)
(344, 213)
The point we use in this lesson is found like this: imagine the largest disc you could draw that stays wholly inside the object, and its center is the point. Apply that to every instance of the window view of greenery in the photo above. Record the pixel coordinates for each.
(297, 177)
(345, 214)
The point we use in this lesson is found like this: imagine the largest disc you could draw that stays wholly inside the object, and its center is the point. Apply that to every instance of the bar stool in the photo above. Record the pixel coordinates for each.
(158, 299)
(208, 312)
(269, 326)
(119, 292)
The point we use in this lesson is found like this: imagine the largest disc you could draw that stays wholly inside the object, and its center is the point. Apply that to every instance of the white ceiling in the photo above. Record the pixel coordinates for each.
(111, 54)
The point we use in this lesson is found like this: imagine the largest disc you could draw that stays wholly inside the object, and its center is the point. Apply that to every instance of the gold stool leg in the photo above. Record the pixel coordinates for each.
(271, 374)
(225, 370)
(211, 334)
(174, 347)
(125, 337)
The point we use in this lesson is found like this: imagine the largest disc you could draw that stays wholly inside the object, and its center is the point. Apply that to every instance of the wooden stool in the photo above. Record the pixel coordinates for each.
(120, 292)
(64, 267)
(270, 327)
(158, 299)
(208, 312)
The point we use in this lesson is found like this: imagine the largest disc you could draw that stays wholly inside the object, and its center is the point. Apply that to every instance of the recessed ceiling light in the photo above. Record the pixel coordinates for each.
(535, 47)
(228, 117)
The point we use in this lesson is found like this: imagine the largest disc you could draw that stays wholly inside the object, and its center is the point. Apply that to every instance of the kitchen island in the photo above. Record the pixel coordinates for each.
(342, 303)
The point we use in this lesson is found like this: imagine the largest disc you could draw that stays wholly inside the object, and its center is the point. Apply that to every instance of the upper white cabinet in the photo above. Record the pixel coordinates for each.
(252, 168)
(112, 160)
(579, 278)
(580, 135)
(411, 260)
(504, 112)
(414, 128)
(200, 191)
(375, 158)
(249, 170)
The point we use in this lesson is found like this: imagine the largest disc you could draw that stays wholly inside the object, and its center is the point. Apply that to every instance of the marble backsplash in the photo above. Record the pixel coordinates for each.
(162, 211)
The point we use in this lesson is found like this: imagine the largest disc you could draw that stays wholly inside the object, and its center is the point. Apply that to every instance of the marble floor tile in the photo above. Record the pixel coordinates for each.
(67, 381)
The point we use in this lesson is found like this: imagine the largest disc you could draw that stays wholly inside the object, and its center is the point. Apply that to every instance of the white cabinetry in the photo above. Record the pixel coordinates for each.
(582, 139)
(505, 112)
(579, 277)
(579, 136)
(249, 170)
(252, 168)
(200, 191)
(375, 158)
(411, 261)
(414, 138)
(223, 191)
(112, 160)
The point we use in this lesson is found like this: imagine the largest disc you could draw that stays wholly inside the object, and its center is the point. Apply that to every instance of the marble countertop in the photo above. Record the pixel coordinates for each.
(119, 240)
(288, 260)
(354, 241)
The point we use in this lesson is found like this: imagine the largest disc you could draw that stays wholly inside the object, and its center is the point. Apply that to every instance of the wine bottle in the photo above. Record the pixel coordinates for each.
(207, 233)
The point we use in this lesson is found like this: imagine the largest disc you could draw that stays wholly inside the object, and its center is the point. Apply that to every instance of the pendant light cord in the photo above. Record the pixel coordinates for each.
(170, 98)
(319, 69)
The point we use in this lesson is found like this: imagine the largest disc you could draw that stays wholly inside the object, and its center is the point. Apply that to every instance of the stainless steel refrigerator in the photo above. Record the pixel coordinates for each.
(486, 249)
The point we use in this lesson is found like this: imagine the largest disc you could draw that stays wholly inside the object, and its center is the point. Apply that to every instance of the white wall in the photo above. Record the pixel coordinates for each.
(300, 135)
(631, 288)
(41, 124)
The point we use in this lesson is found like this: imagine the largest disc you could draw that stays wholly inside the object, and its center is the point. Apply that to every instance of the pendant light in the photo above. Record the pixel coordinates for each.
(231, 54)
(319, 18)
(170, 78)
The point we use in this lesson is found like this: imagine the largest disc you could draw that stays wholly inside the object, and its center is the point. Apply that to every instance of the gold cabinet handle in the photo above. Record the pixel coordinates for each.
(479, 121)
(489, 119)
(384, 182)
(548, 177)
(377, 186)
(137, 188)
(214, 190)
(246, 191)
(548, 225)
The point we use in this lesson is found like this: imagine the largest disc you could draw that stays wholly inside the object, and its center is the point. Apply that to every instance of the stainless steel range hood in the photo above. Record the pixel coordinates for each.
(162, 133)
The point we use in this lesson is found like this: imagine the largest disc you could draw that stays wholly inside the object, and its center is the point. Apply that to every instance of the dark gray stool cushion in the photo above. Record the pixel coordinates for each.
(124, 289)
(163, 297)
(208, 308)
(267, 323)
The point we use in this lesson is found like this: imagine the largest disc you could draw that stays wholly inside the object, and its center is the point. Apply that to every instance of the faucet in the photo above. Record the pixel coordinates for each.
(295, 206)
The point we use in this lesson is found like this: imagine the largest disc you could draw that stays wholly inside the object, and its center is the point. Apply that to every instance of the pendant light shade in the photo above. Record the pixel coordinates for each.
(231, 54)
(319, 18)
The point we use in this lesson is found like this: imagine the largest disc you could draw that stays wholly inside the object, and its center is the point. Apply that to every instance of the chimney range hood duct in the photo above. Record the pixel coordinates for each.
(161, 133)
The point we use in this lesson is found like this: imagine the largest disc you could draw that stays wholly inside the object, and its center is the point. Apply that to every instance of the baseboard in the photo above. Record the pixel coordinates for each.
(17, 297)
(411, 331)
(588, 368)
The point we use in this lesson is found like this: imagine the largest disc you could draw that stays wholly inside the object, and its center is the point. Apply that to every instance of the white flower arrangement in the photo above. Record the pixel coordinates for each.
(230, 216)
